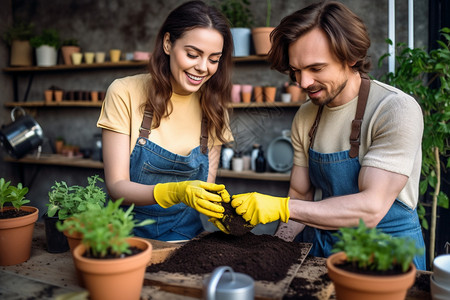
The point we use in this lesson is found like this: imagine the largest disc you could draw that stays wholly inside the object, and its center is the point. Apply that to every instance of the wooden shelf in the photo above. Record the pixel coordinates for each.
(109, 65)
(80, 103)
(55, 104)
(64, 161)
(253, 175)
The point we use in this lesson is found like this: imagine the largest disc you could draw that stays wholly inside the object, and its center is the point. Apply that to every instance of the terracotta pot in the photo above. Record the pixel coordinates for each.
(269, 93)
(16, 235)
(21, 54)
(247, 93)
(73, 239)
(67, 53)
(111, 279)
(258, 93)
(48, 95)
(297, 94)
(261, 39)
(94, 96)
(58, 95)
(351, 286)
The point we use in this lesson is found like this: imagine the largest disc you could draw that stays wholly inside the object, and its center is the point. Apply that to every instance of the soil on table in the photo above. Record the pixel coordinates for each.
(13, 213)
(233, 222)
(263, 257)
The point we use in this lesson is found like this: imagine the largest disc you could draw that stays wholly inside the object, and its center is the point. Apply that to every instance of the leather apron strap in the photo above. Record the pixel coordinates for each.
(146, 128)
(356, 123)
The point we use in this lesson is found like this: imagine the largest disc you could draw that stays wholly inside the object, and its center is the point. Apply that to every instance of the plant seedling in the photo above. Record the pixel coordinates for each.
(12, 194)
(371, 249)
(104, 230)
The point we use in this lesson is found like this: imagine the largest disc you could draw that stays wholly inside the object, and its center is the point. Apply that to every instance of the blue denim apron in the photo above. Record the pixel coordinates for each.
(336, 174)
(151, 164)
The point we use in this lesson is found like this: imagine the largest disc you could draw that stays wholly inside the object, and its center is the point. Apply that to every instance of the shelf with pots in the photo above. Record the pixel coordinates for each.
(61, 160)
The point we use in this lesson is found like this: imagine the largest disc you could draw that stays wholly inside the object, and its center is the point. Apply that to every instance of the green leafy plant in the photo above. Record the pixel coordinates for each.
(237, 12)
(426, 76)
(69, 200)
(268, 12)
(22, 31)
(371, 249)
(105, 231)
(12, 194)
(49, 37)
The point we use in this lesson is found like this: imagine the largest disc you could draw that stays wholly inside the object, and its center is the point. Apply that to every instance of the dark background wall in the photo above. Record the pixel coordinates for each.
(132, 26)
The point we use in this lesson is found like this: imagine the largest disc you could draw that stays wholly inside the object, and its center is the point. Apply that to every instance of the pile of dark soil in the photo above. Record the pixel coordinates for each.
(233, 222)
(13, 213)
(263, 257)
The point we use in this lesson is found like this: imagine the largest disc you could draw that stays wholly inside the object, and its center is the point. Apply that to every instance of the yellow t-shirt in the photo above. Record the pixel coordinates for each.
(391, 134)
(179, 133)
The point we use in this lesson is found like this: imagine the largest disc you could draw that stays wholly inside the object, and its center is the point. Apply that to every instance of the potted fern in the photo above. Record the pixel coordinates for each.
(18, 38)
(16, 224)
(110, 260)
(46, 44)
(240, 17)
(65, 201)
(369, 264)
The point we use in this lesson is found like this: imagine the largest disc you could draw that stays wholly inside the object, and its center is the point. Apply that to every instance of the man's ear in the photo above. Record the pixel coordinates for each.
(167, 45)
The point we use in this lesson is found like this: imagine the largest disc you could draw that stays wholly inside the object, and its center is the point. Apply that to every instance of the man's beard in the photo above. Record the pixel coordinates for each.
(328, 96)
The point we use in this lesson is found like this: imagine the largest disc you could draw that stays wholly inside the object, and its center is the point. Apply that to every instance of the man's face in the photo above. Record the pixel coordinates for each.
(318, 71)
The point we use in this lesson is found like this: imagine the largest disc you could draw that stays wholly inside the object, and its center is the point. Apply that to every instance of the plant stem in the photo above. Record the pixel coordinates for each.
(269, 10)
(434, 204)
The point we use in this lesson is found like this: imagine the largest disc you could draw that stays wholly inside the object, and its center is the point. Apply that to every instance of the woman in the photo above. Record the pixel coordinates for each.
(165, 160)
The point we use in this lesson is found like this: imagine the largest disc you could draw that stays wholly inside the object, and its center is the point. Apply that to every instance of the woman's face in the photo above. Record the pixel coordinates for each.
(194, 58)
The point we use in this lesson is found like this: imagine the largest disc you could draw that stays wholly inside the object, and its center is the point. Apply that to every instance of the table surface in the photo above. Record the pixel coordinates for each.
(52, 276)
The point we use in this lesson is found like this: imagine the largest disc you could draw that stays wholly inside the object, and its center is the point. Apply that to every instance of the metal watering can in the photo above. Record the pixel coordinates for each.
(22, 135)
(228, 286)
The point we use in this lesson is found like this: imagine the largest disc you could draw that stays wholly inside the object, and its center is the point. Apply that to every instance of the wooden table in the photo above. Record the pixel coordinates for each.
(52, 276)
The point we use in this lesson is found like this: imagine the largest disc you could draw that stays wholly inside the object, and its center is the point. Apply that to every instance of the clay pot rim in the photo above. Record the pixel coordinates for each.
(20, 221)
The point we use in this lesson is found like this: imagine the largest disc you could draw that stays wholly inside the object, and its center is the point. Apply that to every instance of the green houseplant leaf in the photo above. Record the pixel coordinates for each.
(12, 194)
(371, 249)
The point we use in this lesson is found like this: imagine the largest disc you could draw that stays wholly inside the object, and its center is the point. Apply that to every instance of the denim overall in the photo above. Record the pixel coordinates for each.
(151, 164)
(337, 173)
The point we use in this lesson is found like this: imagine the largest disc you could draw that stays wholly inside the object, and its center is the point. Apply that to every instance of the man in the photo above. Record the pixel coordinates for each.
(357, 141)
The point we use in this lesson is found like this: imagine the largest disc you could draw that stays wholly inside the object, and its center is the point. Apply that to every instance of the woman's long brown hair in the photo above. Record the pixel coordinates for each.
(216, 92)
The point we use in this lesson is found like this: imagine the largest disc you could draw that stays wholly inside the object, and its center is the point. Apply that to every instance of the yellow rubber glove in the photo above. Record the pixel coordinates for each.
(226, 198)
(195, 194)
(258, 208)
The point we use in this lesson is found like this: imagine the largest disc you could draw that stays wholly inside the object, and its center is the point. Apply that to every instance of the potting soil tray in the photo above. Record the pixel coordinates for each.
(270, 261)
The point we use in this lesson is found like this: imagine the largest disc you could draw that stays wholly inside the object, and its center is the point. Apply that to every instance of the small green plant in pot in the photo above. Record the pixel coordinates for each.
(16, 224)
(108, 244)
(370, 264)
(47, 44)
(66, 201)
(18, 38)
(68, 47)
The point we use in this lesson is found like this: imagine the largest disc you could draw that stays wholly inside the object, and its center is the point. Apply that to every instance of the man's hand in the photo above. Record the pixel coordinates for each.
(197, 194)
(217, 222)
(259, 208)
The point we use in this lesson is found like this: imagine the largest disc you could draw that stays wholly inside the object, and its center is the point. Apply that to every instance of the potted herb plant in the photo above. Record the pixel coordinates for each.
(241, 20)
(18, 38)
(426, 76)
(16, 224)
(65, 201)
(369, 264)
(68, 47)
(261, 35)
(47, 44)
(111, 262)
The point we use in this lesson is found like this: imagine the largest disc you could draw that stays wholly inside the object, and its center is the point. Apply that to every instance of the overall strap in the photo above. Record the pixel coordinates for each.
(146, 128)
(313, 130)
(360, 109)
(146, 125)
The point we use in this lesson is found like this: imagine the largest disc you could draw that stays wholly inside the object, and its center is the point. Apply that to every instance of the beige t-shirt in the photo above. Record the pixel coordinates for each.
(179, 133)
(391, 134)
